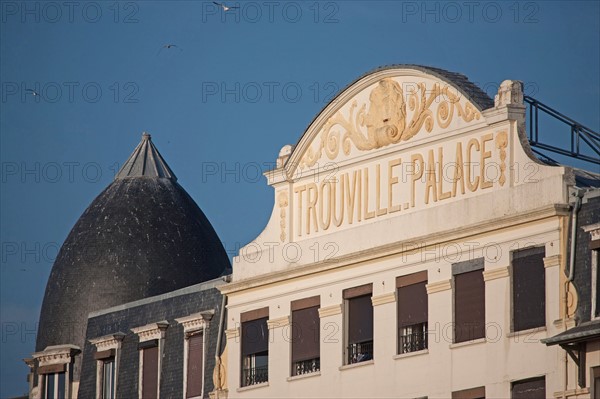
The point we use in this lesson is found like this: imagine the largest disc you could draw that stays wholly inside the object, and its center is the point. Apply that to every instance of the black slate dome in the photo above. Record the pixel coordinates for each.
(142, 236)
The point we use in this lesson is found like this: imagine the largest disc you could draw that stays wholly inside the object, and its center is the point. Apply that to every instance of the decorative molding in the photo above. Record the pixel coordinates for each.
(383, 299)
(278, 322)
(196, 321)
(501, 144)
(151, 331)
(439, 286)
(282, 201)
(59, 354)
(386, 121)
(493, 274)
(330, 310)
(232, 333)
(111, 341)
(551, 261)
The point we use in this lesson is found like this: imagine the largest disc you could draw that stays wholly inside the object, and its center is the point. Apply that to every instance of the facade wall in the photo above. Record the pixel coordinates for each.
(195, 299)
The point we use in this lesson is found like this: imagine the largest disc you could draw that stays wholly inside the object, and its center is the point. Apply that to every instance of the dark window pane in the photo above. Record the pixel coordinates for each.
(50, 383)
(108, 379)
(305, 331)
(255, 336)
(469, 306)
(529, 389)
(194, 366)
(150, 373)
(255, 369)
(360, 319)
(529, 295)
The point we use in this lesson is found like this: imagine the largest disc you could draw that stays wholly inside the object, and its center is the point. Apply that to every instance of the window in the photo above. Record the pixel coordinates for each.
(54, 387)
(150, 354)
(306, 356)
(596, 383)
(149, 383)
(528, 288)
(195, 328)
(255, 347)
(533, 388)
(472, 393)
(107, 349)
(469, 300)
(412, 312)
(596, 286)
(359, 322)
(195, 366)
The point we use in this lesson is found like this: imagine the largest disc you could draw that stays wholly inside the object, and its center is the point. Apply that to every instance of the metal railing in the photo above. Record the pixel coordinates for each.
(412, 338)
(360, 352)
(306, 366)
(582, 137)
(255, 375)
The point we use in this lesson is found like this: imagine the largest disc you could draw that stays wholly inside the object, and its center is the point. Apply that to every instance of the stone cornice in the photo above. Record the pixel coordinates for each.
(383, 299)
(330, 311)
(278, 322)
(106, 342)
(59, 354)
(397, 248)
(196, 321)
(151, 331)
(438, 286)
(496, 273)
(552, 261)
(232, 333)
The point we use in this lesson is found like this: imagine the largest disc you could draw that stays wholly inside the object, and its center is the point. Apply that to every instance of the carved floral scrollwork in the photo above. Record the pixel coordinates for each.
(283, 203)
(501, 143)
(386, 122)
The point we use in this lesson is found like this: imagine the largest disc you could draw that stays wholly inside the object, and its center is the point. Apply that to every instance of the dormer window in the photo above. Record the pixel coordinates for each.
(55, 368)
(195, 331)
(107, 360)
(150, 350)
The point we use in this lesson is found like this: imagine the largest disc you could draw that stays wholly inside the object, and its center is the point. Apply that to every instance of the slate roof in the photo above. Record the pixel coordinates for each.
(142, 236)
(583, 332)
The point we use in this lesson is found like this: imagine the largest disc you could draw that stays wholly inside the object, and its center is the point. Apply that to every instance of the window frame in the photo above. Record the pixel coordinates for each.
(107, 347)
(513, 254)
(460, 268)
(300, 305)
(56, 360)
(406, 281)
(150, 332)
(251, 317)
(195, 324)
(525, 380)
(349, 295)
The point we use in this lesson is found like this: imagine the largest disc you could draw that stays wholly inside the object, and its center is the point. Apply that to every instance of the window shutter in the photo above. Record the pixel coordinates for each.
(530, 389)
(472, 393)
(412, 304)
(195, 375)
(529, 289)
(469, 306)
(150, 373)
(255, 336)
(360, 319)
(305, 334)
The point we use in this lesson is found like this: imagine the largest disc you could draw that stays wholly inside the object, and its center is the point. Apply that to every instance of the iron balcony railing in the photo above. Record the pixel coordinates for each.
(585, 143)
(360, 352)
(413, 338)
(255, 375)
(306, 366)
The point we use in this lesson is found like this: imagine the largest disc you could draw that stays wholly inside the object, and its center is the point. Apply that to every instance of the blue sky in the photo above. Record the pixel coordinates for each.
(237, 87)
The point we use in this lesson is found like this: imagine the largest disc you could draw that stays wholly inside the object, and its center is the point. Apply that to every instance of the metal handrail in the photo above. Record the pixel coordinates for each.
(579, 133)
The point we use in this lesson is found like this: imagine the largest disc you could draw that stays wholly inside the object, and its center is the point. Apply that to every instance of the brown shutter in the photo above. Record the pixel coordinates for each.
(255, 336)
(366, 289)
(412, 304)
(360, 319)
(305, 334)
(411, 279)
(472, 393)
(529, 289)
(469, 306)
(194, 366)
(529, 389)
(150, 373)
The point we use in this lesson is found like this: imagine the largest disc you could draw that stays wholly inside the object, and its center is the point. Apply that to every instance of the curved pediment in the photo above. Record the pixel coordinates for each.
(392, 106)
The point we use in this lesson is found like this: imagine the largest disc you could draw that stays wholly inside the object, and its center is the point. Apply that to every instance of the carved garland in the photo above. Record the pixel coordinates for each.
(283, 203)
(501, 143)
(386, 120)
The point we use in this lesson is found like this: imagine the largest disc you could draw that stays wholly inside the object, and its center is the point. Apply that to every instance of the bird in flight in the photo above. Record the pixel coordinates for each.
(168, 47)
(224, 7)
(32, 92)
